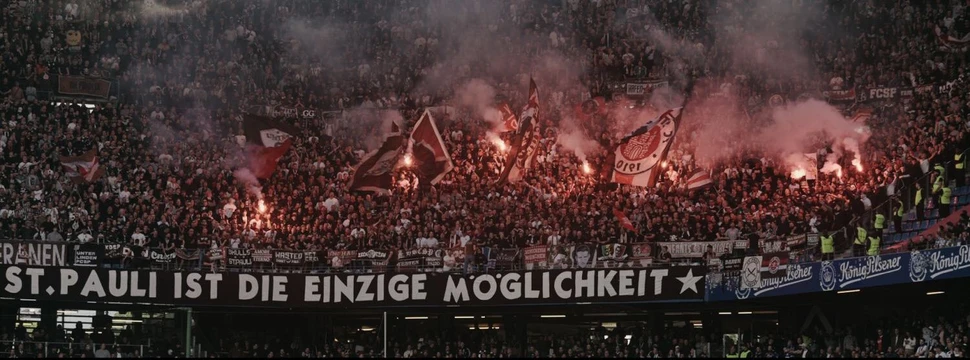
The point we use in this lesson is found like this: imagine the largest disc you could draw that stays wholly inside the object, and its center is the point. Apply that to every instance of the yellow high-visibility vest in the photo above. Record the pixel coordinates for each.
(880, 221)
(873, 246)
(947, 196)
(899, 211)
(828, 244)
(919, 196)
(861, 235)
(958, 158)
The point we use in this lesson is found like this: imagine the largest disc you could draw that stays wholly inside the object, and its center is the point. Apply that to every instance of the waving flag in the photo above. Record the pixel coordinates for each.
(638, 154)
(374, 171)
(951, 43)
(590, 108)
(510, 122)
(624, 221)
(698, 180)
(526, 142)
(430, 155)
(84, 168)
(861, 116)
(267, 140)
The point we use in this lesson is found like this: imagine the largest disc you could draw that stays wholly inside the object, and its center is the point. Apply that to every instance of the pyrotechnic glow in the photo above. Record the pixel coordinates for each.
(798, 173)
(857, 163)
(500, 144)
(261, 206)
(838, 173)
(408, 160)
(663, 164)
(586, 168)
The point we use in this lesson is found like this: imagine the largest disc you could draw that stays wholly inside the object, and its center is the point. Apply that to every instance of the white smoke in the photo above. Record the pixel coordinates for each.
(798, 127)
(246, 178)
(151, 9)
(478, 96)
(574, 139)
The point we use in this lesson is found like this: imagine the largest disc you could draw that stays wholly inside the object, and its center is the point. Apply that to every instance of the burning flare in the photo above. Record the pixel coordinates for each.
(408, 161)
(858, 164)
(798, 173)
(500, 145)
(261, 206)
(586, 169)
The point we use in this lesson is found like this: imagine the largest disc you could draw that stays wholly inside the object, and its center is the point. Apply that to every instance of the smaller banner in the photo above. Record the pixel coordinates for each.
(341, 258)
(413, 259)
(35, 254)
(696, 249)
(731, 263)
(536, 257)
(284, 257)
(159, 257)
(262, 256)
(503, 259)
(774, 265)
(239, 257)
(641, 254)
(292, 112)
(82, 85)
(612, 255)
(840, 95)
(88, 255)
(373, 259)
(642, 88)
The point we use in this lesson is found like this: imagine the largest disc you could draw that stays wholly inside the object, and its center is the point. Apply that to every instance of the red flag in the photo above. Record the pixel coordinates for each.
(430, 155)
(526, 143)
(699, 179)
(861, 116)
(624, 221)
(374, 171)
(951, 43)
(268, 140)
(84, 168)
(510, 122)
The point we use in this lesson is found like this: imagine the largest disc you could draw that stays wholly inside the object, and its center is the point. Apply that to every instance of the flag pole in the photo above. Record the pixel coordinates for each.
(385, 335)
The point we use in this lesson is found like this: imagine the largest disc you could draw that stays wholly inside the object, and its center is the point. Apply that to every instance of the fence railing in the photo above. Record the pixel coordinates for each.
(21, 349)
(375, 260)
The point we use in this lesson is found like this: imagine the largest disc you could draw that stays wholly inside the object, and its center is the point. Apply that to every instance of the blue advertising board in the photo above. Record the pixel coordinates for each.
(838, 275)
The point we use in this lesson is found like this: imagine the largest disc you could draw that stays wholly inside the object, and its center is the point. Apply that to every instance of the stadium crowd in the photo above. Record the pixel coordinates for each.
(929, 333)
(189, 71)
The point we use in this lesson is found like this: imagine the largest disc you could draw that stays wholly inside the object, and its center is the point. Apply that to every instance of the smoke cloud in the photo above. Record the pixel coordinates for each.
(246, 178)
(479, 97)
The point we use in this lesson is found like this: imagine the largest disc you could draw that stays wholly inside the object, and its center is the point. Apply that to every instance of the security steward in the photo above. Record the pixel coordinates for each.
(946, 197)
(874, 242)
(859, 245)
(918, 202)
(828, 246)
(898, 215)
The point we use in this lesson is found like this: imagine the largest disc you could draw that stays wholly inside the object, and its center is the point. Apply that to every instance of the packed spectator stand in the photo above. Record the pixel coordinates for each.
(183, 74)
(168, 142)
